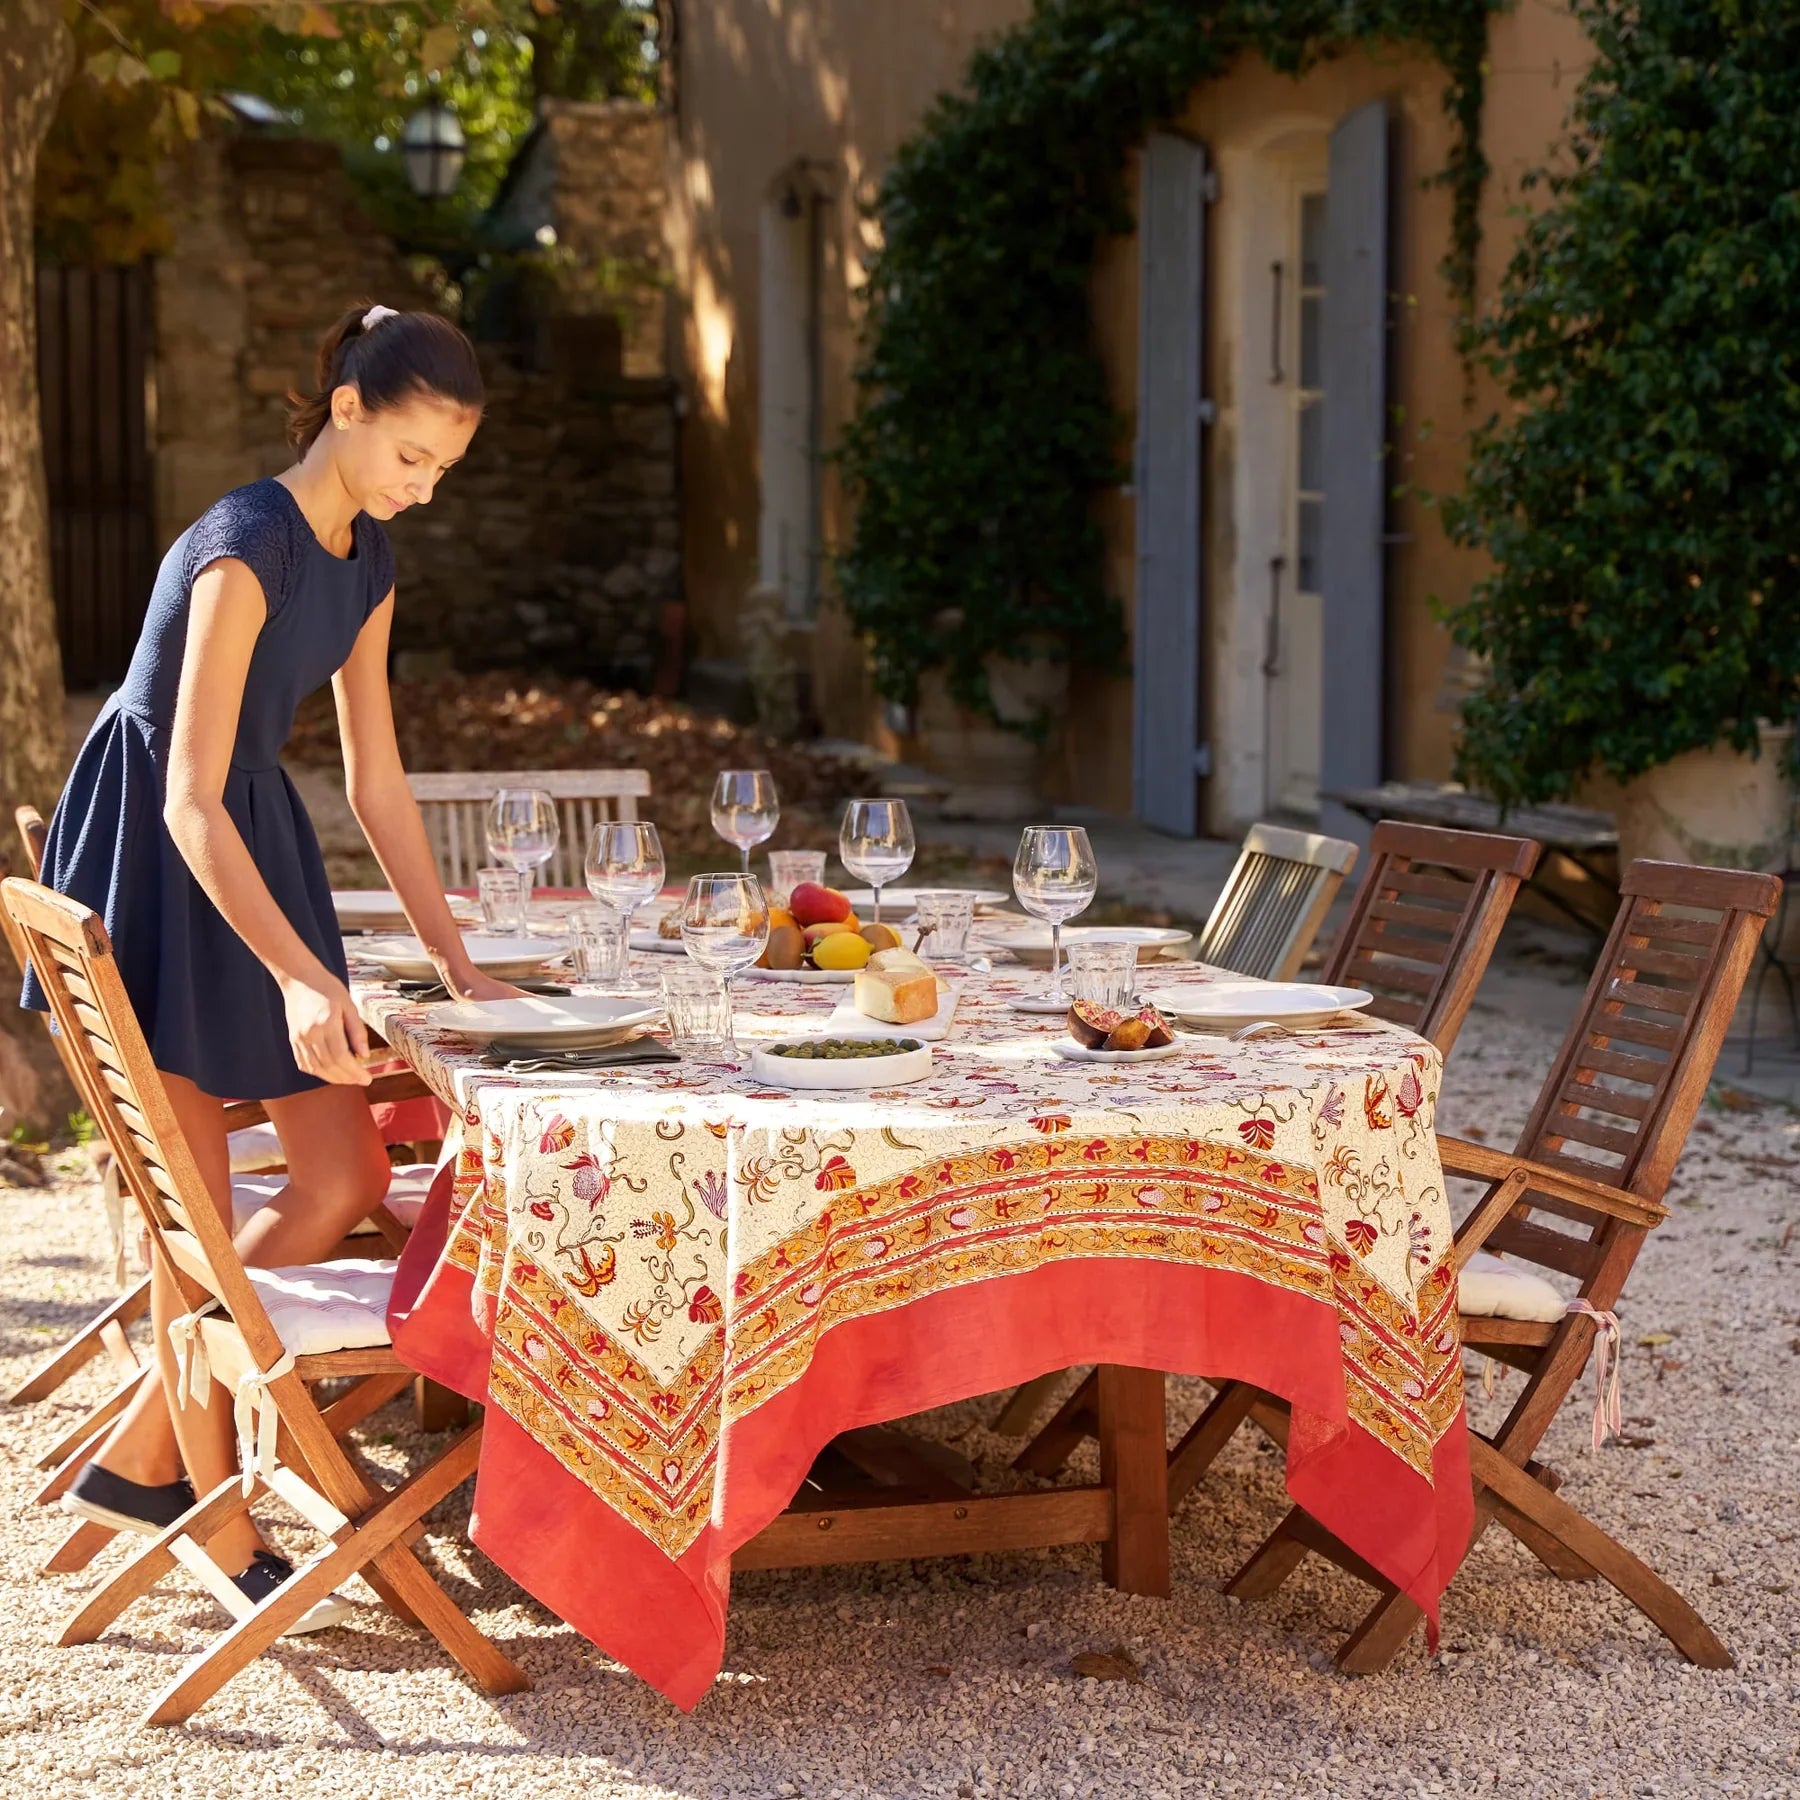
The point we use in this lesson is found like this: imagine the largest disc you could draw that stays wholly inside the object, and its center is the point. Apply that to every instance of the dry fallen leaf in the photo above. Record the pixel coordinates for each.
(1651, 1339)
(1116, 1664)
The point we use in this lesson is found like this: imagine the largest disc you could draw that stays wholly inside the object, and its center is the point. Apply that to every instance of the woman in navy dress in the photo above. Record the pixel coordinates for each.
(179, 826)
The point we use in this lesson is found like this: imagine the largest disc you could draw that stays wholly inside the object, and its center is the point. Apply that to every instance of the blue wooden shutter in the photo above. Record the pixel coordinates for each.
(1355, 368)
(1166, 631)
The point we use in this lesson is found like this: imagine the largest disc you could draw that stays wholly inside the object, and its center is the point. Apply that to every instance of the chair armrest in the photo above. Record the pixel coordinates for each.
(1477, 1161)
(240, 1113)
(403, 1084)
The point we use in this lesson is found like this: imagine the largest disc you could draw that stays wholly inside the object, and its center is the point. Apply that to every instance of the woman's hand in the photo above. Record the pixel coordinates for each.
(473, 985)
(326, 1032)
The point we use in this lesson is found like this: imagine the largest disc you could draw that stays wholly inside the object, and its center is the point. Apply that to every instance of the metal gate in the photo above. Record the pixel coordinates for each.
(95, 332)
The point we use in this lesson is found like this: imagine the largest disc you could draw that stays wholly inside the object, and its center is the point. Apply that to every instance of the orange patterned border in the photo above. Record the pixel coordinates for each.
(650, 1451)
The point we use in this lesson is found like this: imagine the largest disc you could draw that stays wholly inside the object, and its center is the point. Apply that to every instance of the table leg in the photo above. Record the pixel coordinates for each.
(1134, 1465)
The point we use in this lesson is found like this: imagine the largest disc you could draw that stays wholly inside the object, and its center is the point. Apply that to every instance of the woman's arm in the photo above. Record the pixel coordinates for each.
(224, 620)
(384, 807)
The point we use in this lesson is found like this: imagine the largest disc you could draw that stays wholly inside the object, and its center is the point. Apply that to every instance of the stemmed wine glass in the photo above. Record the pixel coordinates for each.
(725, 927)
(1055, 876)
(522, 830)
(624, 869)
(875, 843)
(745, 809)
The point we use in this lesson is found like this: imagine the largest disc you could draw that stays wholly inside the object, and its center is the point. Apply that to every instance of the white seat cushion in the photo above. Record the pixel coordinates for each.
(1490, 1288)
(255, 1147)
(405, 1197)
(319, 1307)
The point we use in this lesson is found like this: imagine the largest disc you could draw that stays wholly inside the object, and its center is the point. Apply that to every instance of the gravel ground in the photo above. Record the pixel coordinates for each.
(955, 1679)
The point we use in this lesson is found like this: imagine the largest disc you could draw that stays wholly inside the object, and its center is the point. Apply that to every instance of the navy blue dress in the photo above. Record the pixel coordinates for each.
(209, 1009)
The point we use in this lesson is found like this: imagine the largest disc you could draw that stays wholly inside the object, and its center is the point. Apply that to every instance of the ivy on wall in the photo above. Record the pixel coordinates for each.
(984, 425)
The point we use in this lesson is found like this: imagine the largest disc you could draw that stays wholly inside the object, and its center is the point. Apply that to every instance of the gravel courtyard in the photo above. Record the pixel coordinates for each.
(955, 1679)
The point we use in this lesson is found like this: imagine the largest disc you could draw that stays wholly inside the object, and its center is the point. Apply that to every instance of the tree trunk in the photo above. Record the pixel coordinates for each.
(35, 58)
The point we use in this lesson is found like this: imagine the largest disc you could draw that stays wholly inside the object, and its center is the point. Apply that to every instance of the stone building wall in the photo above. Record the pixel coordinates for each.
(597, 172)
(556, 542)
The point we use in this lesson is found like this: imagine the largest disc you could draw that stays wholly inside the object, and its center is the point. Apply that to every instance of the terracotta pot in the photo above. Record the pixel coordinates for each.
(1717, 807)
(994, 773)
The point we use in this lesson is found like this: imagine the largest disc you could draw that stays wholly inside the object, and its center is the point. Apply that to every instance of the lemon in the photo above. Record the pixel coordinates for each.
(842, 950)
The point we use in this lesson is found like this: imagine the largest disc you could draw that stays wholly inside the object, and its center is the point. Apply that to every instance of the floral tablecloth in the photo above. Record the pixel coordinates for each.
(673, 1286)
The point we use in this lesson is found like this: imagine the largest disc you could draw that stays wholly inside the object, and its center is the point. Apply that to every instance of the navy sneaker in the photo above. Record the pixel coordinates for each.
(267, 1572)
(110, 1499)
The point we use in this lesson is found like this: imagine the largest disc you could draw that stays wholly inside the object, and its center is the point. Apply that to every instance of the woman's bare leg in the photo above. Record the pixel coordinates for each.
(154, 1438)
(337, 1175)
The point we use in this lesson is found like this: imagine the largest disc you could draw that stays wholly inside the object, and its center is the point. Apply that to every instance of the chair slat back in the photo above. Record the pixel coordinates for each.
(454, 806)
(36, 836)
(1277, 897)
(1622, 1096)
(118, 1080)
(1425, 921)
(21, 954)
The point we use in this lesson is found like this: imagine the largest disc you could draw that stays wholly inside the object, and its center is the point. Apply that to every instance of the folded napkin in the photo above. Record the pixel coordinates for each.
(435, 990)
(607, 1056)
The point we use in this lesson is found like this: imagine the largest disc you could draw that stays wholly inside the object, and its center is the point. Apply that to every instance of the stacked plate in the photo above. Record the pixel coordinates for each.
(1226, 1006)
(578, 1022)
(505, 958)
(1031, 943)
(379, 909)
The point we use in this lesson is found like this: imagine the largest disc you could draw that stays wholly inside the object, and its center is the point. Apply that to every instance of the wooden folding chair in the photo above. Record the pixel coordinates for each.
(1419, 937)
(1279, 892)
(262, 1335)
(454, 806)
(1425, 922)
(1577, 1197)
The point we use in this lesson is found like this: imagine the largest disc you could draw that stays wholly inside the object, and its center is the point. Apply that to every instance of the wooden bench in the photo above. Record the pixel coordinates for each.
(1579, 835)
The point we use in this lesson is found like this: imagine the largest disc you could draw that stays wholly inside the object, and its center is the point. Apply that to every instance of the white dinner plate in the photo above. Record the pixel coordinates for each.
(577, 1022)
(379, 909)
(505, 958)
(1074, 1052)
(896, 900)
(1031, 943)
(1221, 1006)
(653, 940)
(810, 977)
(853, 1072)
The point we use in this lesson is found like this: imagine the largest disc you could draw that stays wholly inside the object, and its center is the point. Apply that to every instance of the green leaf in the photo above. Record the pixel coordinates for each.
(165, 65)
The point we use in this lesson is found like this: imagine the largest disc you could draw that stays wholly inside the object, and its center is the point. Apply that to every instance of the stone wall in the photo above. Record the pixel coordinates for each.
(596, 172)
(557, 540)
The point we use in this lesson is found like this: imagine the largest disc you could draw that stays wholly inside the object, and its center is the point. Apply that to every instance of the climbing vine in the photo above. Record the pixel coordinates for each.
(983, 422)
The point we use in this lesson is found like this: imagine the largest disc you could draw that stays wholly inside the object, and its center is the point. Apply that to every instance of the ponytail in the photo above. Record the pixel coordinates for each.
(388, 357)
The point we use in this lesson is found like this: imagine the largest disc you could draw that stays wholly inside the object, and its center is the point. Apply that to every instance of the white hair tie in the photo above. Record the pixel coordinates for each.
(376, 314)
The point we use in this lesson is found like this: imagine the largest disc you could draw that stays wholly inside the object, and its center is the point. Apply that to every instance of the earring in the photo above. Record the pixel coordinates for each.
(343, 424)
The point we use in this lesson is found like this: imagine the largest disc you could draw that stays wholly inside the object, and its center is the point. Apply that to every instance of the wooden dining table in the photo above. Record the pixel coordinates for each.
(692, 1301)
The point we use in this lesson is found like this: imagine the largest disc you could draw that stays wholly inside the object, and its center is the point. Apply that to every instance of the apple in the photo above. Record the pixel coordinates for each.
(812, 904)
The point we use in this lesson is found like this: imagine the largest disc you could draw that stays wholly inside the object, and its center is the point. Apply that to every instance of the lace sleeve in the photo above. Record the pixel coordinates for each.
(380, 554)
(247, 526)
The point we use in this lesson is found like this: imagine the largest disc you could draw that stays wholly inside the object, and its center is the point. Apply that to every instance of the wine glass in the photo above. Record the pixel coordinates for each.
(875, 843)
(1054, 876)
(522, 829)
(745, 808)
(725, 927)
(624, 869)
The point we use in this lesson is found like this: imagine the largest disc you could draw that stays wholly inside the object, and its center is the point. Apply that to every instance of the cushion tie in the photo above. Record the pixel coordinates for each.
(193, 1371)
(1608, 1356)
(258, 1421)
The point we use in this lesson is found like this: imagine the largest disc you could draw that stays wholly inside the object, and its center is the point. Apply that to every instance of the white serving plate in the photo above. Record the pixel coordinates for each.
(846, 1021)
(1070, 1051)
(574, 1022)
(505, 958)
(1222, 1006)
(1031, 943)
(378, 909)
(1040, 1005)
(809, 977)
(858, 1072)
(904, 899)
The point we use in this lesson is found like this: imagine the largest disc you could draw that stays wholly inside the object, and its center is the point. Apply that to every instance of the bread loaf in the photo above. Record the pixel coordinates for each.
(896, 996)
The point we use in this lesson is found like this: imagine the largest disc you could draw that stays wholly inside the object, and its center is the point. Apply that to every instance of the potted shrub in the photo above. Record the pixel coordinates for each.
(1640, 496)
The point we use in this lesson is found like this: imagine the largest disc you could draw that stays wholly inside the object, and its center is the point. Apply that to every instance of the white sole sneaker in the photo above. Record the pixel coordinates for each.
(103, 1515)
(332, 1611)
